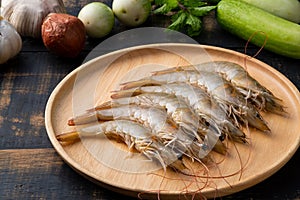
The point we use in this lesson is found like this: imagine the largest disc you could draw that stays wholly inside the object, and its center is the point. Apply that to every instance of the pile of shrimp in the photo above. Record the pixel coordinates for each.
(182, 111)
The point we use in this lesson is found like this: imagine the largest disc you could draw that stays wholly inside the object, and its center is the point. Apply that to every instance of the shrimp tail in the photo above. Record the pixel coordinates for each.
(68, 138)
(139, 83)
(125, 93)
(169, 70)
(91, 116)
(103, 106)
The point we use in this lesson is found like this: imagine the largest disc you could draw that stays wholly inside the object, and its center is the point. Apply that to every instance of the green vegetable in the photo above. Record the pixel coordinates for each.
(185, 15)
(245, 21)
(131, 12)
(287, 9)
(97, 18)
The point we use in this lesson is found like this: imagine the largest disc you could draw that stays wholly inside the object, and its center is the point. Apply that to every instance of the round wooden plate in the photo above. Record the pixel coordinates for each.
(111, 165)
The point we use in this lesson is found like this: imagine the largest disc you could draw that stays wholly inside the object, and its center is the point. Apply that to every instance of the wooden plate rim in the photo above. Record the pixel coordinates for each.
(246, 183)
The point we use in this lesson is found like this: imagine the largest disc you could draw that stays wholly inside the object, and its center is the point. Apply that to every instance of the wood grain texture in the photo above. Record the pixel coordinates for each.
(25, 87)
(89, 155)
(26, 82)
(42, 174)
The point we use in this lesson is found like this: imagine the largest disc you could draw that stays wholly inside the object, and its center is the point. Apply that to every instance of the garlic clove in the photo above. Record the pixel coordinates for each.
(10, 41)
(27, 15)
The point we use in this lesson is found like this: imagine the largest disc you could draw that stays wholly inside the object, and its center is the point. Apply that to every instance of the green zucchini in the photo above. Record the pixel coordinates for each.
(286, 9)
(245, 20)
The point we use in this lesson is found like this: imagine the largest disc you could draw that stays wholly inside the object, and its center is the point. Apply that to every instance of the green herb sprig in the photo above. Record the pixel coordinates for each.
(186, 15)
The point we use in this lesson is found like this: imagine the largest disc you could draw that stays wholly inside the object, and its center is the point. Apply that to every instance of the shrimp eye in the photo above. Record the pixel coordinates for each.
(207, 123)
(258, 115)
(222, 137)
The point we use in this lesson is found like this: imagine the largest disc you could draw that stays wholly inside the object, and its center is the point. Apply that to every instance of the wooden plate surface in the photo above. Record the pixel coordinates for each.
(110, 165)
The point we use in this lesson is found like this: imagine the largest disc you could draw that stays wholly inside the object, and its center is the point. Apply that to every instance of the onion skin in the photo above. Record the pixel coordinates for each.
(63, 34)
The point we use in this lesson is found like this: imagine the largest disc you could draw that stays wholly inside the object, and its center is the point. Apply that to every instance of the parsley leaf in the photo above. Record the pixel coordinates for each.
(201, 11)
(193, 24)
(178, 21)
(166, 6)
(185, 14)
(192, 3)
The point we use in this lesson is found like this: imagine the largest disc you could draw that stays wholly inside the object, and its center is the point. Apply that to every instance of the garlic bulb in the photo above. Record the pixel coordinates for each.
(27, 15)
(10, 41)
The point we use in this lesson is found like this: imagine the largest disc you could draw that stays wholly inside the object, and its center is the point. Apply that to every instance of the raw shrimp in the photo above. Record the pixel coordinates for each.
(134, 135)
(176, 107)
(229, 99)
(157, 120)
(251, 89)
(197, 99)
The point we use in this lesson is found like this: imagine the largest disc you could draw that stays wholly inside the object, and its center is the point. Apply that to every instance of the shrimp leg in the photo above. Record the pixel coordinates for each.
(176, 107)
(135, 136)
(259, 95)
(157, 120)
(197, 99)
(229, 99)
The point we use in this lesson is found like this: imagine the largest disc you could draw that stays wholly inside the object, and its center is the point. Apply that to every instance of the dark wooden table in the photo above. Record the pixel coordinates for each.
(29, 166)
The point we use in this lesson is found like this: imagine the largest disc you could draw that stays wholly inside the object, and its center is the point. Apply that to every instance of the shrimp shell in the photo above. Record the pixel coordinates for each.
(229, 99)
(176, 108)
(198, 100)
(259, 95)
(157, 120)
(134, 135)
